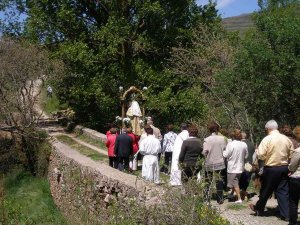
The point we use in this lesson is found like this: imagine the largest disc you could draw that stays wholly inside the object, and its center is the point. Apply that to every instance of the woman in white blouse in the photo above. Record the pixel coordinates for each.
(236, 152)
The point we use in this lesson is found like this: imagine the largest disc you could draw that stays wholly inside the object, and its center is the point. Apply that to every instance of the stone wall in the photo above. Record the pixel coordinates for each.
(82, 188)
(90, 133)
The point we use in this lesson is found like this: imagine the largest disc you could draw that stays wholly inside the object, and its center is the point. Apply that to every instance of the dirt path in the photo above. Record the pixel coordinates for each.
(242, 214)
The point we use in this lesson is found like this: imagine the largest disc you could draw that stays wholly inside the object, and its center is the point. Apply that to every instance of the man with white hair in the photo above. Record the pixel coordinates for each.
(275, 150)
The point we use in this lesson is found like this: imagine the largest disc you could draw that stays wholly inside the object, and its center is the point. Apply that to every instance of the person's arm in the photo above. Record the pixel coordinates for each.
(246, 155)
(116, 146)
(227, 151)
(182, 152)
(261, 151)
(206, 148)
(107, 143)
(295, 162)
(165, 141)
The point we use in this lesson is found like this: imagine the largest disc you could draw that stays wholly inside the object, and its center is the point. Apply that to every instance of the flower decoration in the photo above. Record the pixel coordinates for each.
(126, 121)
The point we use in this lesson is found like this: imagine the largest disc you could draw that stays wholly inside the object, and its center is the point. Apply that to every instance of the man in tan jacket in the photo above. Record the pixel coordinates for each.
(275, 150)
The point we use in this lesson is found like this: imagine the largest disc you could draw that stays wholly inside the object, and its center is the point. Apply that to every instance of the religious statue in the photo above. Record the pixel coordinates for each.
(134, 113)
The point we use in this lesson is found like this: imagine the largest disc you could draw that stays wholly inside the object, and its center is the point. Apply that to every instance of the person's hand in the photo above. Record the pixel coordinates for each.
(290, 173)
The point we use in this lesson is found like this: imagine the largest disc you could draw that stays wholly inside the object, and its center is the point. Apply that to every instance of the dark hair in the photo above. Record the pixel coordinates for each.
(183, 126)
(193, 131)
(170, 127)
(149, 130)
(286, 130)
(237, 134)
(113, 130)
(214, 127)
(129, 129)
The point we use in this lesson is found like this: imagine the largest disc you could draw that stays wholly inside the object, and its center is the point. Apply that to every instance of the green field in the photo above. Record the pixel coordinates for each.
(27, 200)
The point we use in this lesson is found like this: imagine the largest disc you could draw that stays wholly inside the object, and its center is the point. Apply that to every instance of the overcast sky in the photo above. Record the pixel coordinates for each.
(228, 8)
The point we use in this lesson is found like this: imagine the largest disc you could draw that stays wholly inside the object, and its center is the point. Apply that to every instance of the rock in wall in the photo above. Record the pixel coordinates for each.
(82, 188)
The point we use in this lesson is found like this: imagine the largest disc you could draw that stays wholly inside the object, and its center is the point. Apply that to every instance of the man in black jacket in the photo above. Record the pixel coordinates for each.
(123, 149)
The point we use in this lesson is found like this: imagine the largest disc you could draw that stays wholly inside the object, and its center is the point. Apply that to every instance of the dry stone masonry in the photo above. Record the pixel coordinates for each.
(83, 188)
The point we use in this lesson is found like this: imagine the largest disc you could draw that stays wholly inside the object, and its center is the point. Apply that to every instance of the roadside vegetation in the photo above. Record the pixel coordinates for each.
(27, 200)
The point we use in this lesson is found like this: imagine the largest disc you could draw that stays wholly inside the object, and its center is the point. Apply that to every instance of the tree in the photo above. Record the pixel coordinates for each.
(108, 44)
(265, 75)
(21, 65)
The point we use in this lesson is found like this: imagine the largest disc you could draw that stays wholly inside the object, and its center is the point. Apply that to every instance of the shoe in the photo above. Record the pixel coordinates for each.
(256, 212)
(284, 218)
(239, 201)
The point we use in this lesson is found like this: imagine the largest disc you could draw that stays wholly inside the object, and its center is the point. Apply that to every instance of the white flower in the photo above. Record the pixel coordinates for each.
(118, 118)
(126, 120)
(145, 88)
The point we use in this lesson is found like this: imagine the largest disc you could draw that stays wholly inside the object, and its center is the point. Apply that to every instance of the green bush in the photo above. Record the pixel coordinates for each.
(185, 205)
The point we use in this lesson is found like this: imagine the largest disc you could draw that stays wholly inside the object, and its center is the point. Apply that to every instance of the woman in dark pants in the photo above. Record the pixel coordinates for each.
(294, 184)
(190, 152)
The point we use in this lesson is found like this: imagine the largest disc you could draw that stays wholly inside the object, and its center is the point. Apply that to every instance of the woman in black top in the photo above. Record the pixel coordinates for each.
(190, 152)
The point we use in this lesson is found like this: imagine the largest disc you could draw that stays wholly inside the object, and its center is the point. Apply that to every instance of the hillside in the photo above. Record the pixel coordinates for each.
(238, 23)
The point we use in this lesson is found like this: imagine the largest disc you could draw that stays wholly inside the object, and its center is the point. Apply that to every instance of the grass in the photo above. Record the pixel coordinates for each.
(27, 200)
(96, 143)
(96, 156)
(49, 105)
(237, 207)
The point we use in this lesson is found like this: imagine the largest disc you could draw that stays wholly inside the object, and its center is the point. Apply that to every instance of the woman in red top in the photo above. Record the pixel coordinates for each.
(135, 146)
(110, 144)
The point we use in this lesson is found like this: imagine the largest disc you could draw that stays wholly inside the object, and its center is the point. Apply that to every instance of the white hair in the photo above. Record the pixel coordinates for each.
(271, 125)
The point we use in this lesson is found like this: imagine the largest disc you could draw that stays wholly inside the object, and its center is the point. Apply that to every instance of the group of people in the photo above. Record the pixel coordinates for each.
(233, 158)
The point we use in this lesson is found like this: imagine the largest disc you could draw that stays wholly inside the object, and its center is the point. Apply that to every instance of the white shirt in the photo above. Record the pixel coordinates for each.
(150, 146)
(236, 152)
(169, 140)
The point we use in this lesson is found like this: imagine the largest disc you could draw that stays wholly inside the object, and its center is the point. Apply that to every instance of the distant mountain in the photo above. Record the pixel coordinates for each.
(238, 23)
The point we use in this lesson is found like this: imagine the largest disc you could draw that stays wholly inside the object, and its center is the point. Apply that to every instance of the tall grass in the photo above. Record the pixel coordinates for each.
(27, 200)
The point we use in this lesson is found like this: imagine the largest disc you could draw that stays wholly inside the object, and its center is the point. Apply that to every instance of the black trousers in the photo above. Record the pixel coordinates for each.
(294, 196)
(189, 172)
(245, 180)
(274, 179)
(220, 182)
(123, 163)
(168, 158)
(113, 162)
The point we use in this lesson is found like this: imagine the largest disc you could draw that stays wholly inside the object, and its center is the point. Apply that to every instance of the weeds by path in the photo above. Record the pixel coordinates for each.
(96, 143)
(96, 156)
(27, 200)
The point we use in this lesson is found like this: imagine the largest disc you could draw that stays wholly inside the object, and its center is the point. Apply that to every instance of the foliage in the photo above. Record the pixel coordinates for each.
(27, 200)
(265, 75)
(107, 44)
(21, 65)
(50, 105)
(178, 206)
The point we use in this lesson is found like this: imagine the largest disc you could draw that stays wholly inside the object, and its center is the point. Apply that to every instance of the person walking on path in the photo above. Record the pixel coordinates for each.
(123, 149)
(150, 147)
(135, 147)
(275, 150)
(236, 152)
(175, 178)
(294, 191)
(246, 175)
(110, 144)
(190, 154)
(168, 147)
(213, 148)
